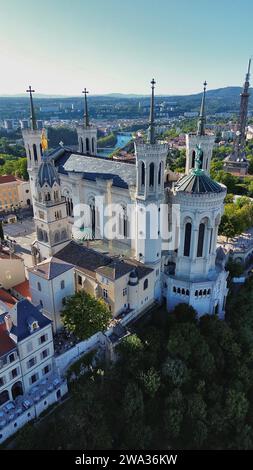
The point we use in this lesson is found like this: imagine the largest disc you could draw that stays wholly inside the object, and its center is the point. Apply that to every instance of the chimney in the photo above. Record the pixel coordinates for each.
(8, 322)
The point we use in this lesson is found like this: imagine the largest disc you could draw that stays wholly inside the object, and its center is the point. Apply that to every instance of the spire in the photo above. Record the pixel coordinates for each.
(246, 83)
(202, 114)
(86, 115)
(32, 117)
(151, 131)
(239, 143)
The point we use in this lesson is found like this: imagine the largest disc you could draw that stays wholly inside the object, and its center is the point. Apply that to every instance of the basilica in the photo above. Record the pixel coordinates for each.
(134, 236)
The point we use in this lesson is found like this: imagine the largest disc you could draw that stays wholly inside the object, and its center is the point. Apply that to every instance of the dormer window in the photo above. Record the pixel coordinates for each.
(34, 326)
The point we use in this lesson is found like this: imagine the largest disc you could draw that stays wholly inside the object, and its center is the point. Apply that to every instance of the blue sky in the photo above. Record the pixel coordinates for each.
(60, 46)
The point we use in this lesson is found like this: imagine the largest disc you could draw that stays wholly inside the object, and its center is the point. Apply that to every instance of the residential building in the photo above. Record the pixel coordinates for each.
(14, 193)
(12, 270)
(51, 282)
(29, 382)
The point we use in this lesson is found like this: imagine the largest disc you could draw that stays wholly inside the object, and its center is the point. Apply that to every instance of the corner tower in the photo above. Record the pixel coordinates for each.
(150, 165)
(193, 274)
(86, 133)
(50, 212)
(200, 139)
(33, 147)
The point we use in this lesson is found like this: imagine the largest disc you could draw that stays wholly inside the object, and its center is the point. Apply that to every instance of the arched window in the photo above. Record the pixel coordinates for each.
(200, 292)
(64, 234)
(178, 290)
(201, 240)
(174, 289)
(81, 144)
(4, 396)
(87, 145)
(56, 237)
(142, 174)
(187, 292)
(16, 390)
(45, 236)
(47, 197)
(123, 222)
(209, 292)
(211, 239)
(159, 173)
(193, 158)
(93, 217)
(40, 234)
(204, 292)
(35, 152)
(93, 145)
(187, 239)
(196, 293)
(145, 285)
(201, 159)
(151, 174)
(183, 291)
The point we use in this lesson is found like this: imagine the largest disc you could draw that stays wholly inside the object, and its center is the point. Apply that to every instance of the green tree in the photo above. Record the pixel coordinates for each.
(150, 381)
(84, 315)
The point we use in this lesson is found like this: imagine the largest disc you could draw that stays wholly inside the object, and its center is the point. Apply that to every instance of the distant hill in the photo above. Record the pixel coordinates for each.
(220, 100)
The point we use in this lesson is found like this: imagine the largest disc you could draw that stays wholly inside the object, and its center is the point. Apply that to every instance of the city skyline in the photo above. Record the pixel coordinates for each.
(118, 50)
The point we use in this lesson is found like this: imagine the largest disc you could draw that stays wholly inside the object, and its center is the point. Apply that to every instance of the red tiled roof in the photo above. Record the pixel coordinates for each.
(7, 179)
(23, 289)
(6, 343)
(7, 298)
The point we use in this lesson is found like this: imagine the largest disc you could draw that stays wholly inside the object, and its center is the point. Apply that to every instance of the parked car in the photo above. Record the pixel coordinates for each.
(9, 407)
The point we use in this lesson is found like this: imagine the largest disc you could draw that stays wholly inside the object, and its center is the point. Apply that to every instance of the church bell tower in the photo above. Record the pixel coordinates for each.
(33, 147)
(150, 165)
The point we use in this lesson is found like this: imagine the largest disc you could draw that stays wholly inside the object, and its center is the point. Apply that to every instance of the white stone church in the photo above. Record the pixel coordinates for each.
(152, 254)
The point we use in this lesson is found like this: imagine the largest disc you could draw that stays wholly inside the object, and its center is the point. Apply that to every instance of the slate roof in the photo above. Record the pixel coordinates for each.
(90, 261)
(86, 259)
(199, 183)
(22, 313)
(51, 268)
(123, 174)
(47, 173)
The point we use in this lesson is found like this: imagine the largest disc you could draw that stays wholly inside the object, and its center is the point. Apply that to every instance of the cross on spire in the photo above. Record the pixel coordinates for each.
(86, 115)
(202, 114)
(151, 136)
(32, 117)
